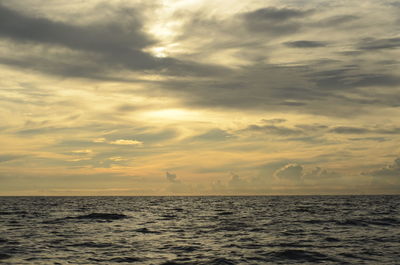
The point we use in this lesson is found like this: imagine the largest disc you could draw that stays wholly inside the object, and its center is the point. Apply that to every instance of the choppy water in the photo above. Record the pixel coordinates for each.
(200, 230)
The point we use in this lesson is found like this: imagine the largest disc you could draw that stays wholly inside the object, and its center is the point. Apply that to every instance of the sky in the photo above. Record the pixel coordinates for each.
(199, 97)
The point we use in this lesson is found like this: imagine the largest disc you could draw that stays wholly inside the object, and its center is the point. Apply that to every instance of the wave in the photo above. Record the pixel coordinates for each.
(298, 254)
(13, 213)
(146, 231)
(215, 261)
(98, 216)
(221, 261)
(385, 221)
(103, 216)
(225, 213)
(92, 245)
(4, 256)
(186, 248)
(125, 259)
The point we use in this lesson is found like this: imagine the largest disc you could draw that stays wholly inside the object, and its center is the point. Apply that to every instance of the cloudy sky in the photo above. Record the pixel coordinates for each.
(190, 97)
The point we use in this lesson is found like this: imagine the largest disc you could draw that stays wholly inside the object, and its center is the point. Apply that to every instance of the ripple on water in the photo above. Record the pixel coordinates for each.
(145, 230)
(91, 245)
(125, 259)
(300, 255)
(4, 256)
(100, 216)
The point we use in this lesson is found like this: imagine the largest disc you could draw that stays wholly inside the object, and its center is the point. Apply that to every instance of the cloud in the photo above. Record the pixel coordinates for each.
(379, 44)
(299, 86)
(349, 130)
(392, 170)
(386, 179)
(292, 172)
(97, 50)
(23, 27)
(83, 154)
(295, 172)
(176, 186)
(336, 20)
(321, 174)
(171, 177)
(126, 142)
(9, 157)
(362, 130)
(73, 83)
(272, 129)
(273, 14)
(378, 139)
(305, 44)
(274, 121)
(236, 181)
(213, 135)
(274, 21)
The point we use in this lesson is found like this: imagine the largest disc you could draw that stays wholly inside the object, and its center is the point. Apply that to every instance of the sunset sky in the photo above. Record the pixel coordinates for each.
(191, 97)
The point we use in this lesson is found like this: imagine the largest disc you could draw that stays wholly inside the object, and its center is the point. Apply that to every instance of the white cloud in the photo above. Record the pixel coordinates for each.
(82, 152)
(290, 171)
(126, 142)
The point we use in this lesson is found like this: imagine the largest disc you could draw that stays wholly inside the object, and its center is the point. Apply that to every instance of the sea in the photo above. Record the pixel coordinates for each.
(200, 230)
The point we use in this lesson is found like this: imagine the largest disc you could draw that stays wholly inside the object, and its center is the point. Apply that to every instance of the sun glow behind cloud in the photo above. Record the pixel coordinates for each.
(168, 115)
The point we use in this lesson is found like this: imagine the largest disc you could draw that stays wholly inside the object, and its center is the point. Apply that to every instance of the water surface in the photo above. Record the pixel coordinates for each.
(200, 230)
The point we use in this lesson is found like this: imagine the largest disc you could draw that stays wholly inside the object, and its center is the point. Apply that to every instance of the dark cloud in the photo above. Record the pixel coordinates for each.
(378, 44)
(349, 130)
(308, 132)
(171, 177)
(378, 80)
(100, 50)
(395, 130)
(127, 108)
(312, 127)
(213, 135)
(377, 139)
(392, 170)
(361, 130)
(308, 139)
(305, 44)
(272, 129)
(117, 38)
(337, 20)
(95, 49)
(352, 77)
(9, 157)
(275, 21)
(114, 41)
(274, 14)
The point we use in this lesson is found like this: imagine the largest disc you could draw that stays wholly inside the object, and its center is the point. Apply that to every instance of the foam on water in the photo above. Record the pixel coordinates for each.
(200, 230)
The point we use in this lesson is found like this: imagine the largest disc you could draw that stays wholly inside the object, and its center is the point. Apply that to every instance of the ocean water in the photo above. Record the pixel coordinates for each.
(200, 230)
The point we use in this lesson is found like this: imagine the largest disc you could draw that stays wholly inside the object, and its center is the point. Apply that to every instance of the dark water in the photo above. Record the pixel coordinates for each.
(200, 230)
